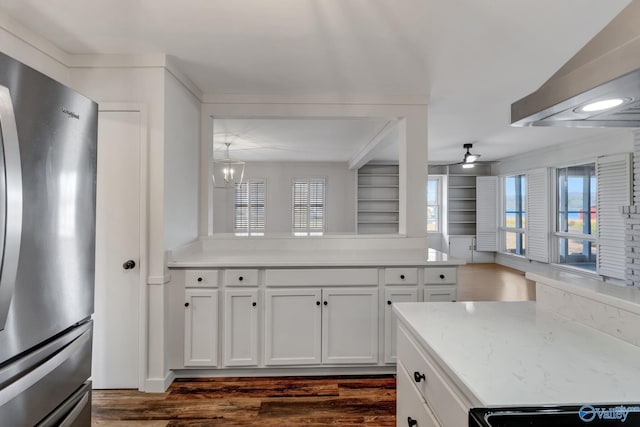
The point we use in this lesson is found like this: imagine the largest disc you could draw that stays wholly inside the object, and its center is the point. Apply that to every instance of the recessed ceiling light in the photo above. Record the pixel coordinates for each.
(603, 104)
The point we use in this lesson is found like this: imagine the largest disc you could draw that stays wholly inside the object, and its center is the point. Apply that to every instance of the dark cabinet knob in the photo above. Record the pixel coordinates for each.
(199, 279)
(317, 302)
(241, 278)
(253, 304)
(388, 302)
(411, 422)
(442, 276)
(129, 264)
(417, 376)
(326, 303)
(402, 276)
(186, 304)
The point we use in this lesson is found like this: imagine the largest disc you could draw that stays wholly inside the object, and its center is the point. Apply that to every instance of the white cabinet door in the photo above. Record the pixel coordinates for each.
(241, 327)
(461, 247)
(392, 295)
(350, 326)
(412, 409)
(293, 325)
(440, 293)
(201, 327)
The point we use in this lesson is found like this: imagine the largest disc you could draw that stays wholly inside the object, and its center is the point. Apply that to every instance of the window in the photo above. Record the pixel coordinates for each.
(576, 216)
(434, 202)
(514, 216)
(249, 208)
(308, 207)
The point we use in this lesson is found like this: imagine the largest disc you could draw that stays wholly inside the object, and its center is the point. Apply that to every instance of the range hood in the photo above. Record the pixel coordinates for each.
(606, 68)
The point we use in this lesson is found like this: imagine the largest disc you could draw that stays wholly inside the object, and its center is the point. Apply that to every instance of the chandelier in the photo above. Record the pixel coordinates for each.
(227, 172)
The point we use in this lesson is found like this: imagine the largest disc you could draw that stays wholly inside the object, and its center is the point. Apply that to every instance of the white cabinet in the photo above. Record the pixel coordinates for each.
(293, 326)
(306, 326)
(241, 309)
(440, 293)
(464, 247)
(349, 326)
(201, 327)
(393, 295)
(411, 409)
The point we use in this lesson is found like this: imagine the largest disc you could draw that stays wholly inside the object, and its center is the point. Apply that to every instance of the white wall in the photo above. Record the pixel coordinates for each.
(340, 195)
(181, 174)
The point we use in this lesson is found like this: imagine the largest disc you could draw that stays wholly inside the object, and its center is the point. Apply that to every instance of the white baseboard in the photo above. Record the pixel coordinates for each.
(159, 385)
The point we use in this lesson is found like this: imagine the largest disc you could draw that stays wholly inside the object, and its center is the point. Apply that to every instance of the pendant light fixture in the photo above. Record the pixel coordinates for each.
(227, 172)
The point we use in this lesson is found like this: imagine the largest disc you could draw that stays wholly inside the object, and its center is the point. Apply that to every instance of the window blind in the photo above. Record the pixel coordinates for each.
(249, 207)
(487, 213)
(308, 206)
(613, 174)
(537, 222)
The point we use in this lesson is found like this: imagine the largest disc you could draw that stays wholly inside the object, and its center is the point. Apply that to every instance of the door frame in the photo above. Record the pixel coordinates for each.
(142, 109)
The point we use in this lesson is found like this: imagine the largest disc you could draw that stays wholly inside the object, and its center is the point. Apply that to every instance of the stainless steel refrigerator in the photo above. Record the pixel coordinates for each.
(47, 243)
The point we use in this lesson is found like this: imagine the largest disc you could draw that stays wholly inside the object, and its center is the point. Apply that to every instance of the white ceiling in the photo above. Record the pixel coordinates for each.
(472, 58)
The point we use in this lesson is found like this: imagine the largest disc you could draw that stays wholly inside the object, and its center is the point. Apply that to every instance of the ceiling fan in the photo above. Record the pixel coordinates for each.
(469, 159)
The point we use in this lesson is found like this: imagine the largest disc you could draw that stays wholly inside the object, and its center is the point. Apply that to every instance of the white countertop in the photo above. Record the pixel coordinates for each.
(335, 258)
(513, 354)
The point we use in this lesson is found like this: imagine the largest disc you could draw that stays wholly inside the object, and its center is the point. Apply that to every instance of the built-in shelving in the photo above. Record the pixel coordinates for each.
(378, 199)
(461, 207)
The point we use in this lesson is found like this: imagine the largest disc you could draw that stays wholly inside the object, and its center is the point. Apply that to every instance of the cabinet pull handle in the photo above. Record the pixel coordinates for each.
(389, 302)
(326, 303)
(253, 304)
(317, 302)
(417, 376)
(241, 278)
(186, 304)
(411, 422)
(402, 276)
(442, 276)
(199, 279)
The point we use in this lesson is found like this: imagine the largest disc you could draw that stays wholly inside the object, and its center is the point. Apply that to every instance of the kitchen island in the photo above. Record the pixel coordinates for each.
(457, 356)
(283, 306)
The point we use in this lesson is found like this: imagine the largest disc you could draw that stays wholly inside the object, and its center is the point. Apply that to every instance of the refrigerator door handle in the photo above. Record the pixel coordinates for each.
(10, 203)
(21, 385)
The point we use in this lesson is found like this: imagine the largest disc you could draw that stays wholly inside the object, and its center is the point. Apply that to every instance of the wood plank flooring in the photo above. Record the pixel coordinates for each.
(289, 401)
(281, 401)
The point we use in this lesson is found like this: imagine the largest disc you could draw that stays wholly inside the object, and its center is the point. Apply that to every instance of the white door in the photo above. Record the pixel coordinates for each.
(201, 327)
(292, 329)
(116, 318)
(241, 327)
(392, 295)
(349, 325)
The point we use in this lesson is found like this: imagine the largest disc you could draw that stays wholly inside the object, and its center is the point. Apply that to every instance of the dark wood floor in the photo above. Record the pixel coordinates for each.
(290, 401)
(269, 402)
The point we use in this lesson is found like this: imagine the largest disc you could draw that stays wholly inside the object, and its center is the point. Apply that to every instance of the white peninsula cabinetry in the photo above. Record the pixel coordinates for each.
(273, 319)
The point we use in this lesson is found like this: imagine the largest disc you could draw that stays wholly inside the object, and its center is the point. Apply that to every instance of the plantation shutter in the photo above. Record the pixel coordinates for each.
(537, 215)
(613, 175)
(487, 213)
(308, 205)
(249, 207)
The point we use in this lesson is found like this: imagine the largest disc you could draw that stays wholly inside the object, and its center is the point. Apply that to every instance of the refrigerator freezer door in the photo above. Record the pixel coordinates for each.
(75, 412)
(10, 202)
(41, 382)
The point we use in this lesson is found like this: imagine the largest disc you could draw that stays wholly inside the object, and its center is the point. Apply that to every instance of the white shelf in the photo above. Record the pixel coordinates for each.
(376, 222)
(378, 198)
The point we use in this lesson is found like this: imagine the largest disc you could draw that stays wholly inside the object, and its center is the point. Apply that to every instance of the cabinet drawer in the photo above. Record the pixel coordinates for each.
(437, 275)
(410, 405)
(430, 381)
(318, 277)
(201, 278)
(440, 293)
(400, 276)
(241, 277)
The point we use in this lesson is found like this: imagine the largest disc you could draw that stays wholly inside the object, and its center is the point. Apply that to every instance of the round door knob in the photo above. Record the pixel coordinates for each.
(402, 276)
(241, 278)
(186, 304)
(199, 279)
(442, 276)
(317, 302)
(253, 304)
(129, 264)
(388, 302)
(325, 303)
(411, 422)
